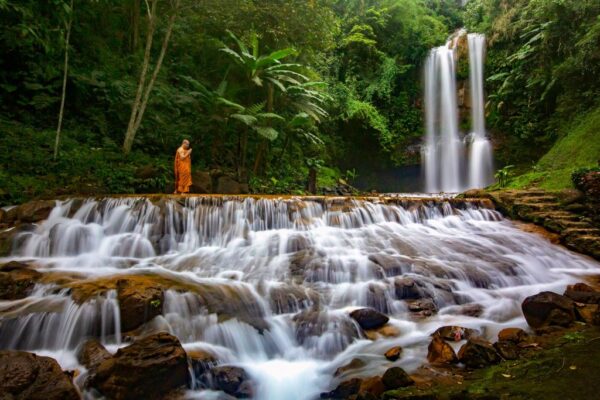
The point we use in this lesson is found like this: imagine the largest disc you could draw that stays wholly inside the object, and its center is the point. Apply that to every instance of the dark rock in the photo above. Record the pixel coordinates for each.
(371, 388)
(507, 349)
(455, 333)
(409, 289)
(138, 303)
(356, 363)
(440, 352)
(548, 309)
(515, 335)
(422, 307)
(583, 293)
(35, 211)
(16, 281)
(9, 215)
(201, 182)
(478, 353)
(588, 313)
(26, 376)
(394, 353)
(149, 368)
(227, 185)
(395, 378)
(311, 324)
(343, 390)
(92, 353)
(369, 318)
(231, 380)
(201, 361)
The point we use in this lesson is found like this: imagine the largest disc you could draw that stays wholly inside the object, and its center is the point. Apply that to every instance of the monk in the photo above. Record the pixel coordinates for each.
(183, 168)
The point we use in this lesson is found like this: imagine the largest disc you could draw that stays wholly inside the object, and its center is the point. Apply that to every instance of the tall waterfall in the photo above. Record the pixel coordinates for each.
(480, 159)
(269, 284)
(452, 163)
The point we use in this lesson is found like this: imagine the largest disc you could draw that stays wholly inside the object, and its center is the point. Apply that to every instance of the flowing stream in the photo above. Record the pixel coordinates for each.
(291, 270)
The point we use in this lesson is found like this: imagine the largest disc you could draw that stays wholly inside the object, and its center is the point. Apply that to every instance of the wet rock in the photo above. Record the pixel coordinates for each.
(369, 318)
(344, 389)
(548, 309)
(440, 352)
(455, 333)
(395, 378)
(231, 380)
(583, 293)
(478, 353)
(201, 182)
(588, 313)
(394, 353)
(390, 265)
(35, 211)
(201, 361)
(356, 363)
(385, 331)
(507, 349)
(138, 303)
(92, 353)
(373, 387)
(515, 335)
(422, 307)
(310, 325)
(149, 368)
(292, 298)
(26, 376)
(17, 281)
(408, 289)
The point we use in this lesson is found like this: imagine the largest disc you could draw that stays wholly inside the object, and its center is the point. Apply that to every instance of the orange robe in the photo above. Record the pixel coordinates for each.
(183, 172)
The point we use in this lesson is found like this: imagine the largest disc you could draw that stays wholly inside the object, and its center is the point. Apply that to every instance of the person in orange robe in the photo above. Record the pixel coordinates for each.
(183, 168)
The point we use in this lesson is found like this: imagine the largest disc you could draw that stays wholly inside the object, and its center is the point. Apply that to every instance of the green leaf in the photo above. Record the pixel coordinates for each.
(267, 132)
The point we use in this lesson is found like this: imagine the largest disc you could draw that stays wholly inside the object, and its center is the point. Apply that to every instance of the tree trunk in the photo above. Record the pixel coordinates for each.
(263, 143)
(243, 173)
(64, 84)
(130, 134)
(135, 25)
(311, 185)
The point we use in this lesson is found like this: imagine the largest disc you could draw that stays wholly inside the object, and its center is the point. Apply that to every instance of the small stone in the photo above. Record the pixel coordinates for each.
(395, 378)
(394, 353)
(478, 353)
(515, 335)
(440, 352)
(455, 333)
(507, 349)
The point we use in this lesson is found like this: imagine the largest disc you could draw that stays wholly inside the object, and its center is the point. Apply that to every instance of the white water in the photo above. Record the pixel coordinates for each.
(480, 157)
(269, 262)
(452, 163)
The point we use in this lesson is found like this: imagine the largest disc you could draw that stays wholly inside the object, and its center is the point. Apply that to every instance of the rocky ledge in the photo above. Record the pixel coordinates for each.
(569, 215)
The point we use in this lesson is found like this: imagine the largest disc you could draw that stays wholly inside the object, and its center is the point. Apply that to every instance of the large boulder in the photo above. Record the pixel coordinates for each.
(138, 302)
(17, 280)
(583, 293)
(548, 309)
(149, 368)
(227, 185)
(232, 380)
(201, 182)
(369, 318)
(440, 352)
(25, 376)
(35, 211)
(92, 353)
(478, 353)
(395, 378)
(373, 387)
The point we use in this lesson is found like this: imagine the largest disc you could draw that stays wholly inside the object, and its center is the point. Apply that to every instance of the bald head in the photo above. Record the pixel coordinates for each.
(185, 144)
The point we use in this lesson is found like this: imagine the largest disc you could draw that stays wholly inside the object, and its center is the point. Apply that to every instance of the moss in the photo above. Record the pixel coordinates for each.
(578, 147)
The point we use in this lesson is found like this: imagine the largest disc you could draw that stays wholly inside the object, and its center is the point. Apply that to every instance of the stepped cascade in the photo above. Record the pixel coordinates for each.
(268, 284)
(453, 163)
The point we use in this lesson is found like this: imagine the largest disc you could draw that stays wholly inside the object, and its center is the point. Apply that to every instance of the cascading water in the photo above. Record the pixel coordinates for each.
(448, 165)
(480, 157)
(270, 283)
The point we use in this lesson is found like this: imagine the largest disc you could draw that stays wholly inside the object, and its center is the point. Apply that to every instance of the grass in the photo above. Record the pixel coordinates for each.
(578, 147)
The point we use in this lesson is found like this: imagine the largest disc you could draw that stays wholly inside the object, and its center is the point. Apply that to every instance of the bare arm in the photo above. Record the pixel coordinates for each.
(184, 153)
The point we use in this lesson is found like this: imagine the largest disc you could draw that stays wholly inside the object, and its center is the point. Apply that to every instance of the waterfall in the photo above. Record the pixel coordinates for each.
(268, 284)
(480, 160)
(448, 165)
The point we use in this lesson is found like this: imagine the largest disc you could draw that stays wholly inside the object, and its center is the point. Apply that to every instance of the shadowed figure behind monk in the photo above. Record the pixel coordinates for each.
(183, 168)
